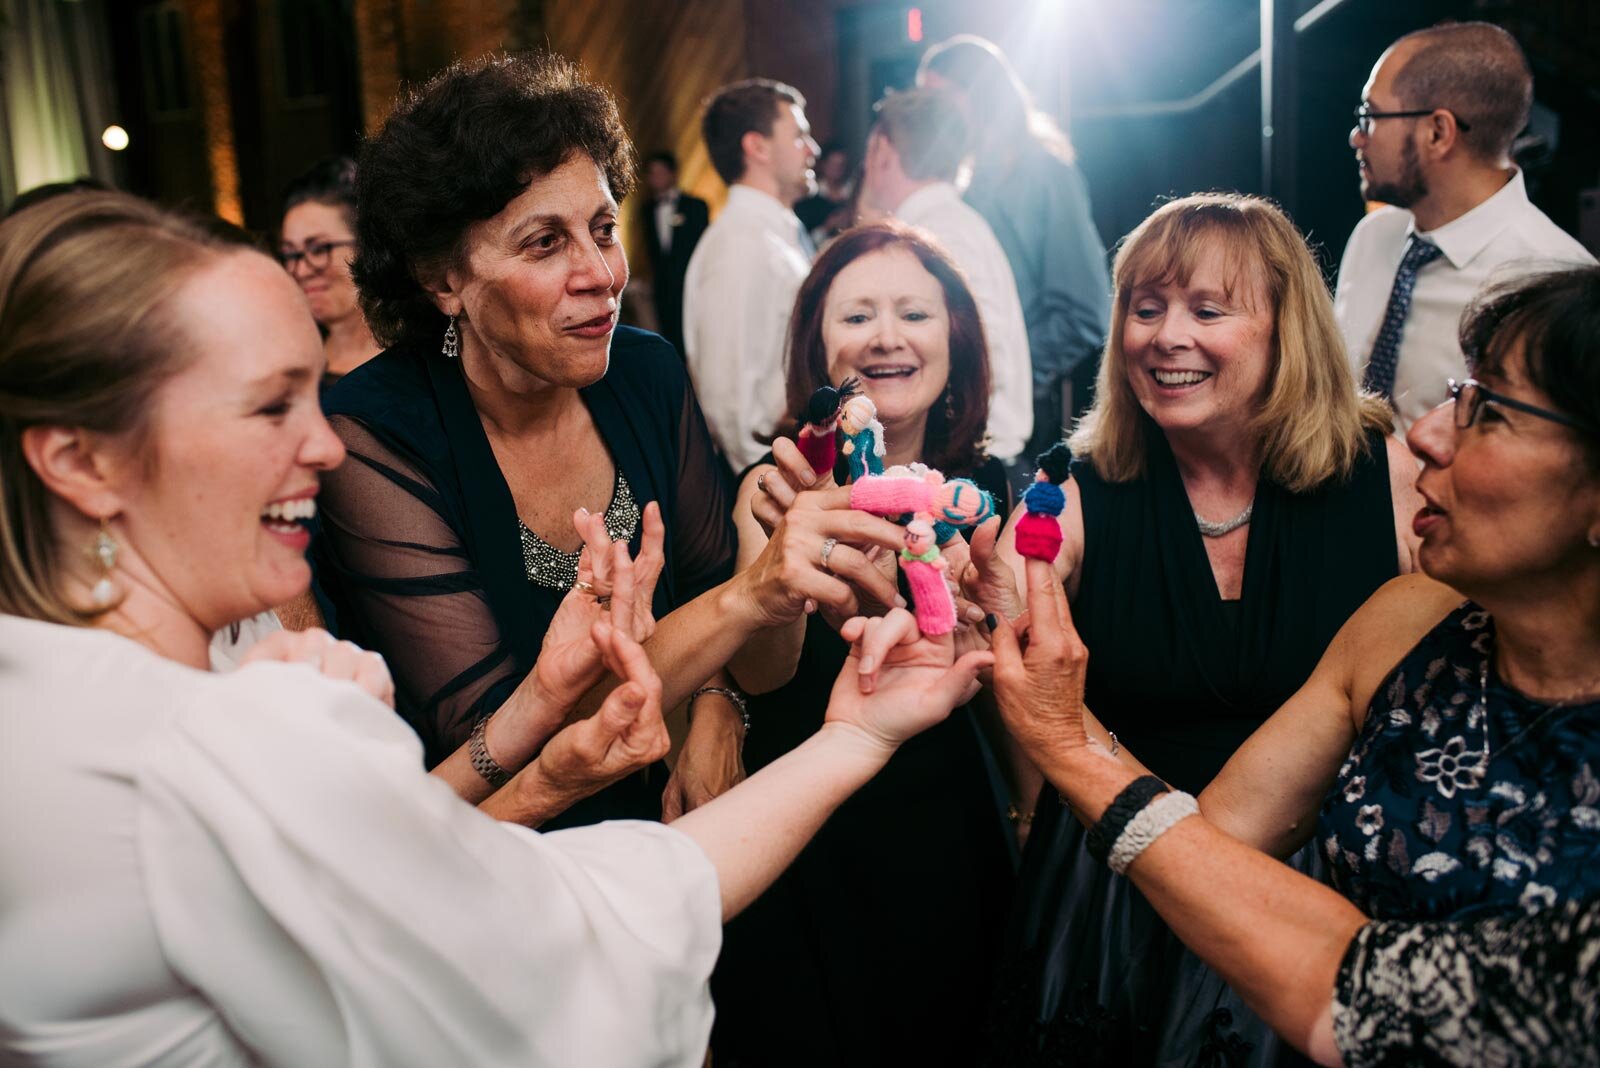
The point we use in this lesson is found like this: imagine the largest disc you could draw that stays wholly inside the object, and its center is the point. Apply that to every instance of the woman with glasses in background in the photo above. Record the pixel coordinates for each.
(1444, 755)
(316, 246)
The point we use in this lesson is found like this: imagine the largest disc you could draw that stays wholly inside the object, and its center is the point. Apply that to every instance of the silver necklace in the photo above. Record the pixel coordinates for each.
(1481, 711)
(1227, 526)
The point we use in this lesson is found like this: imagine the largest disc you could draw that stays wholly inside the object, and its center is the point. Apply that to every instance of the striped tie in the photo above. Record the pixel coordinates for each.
(1379, 377)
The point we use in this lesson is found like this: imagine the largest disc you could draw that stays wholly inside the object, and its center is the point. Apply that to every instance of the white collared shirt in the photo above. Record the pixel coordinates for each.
(1496, 241)
(737, 297)
(666, 211)
(939, 209)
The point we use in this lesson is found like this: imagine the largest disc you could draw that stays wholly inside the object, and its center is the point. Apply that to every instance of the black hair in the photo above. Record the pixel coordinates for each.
(330, 181)
(457, 151)
(665, 157)
(1554, 319)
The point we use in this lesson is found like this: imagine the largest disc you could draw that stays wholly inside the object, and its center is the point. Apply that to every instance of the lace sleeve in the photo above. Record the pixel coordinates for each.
(405, 587)
(1507, 990)
(703, 538)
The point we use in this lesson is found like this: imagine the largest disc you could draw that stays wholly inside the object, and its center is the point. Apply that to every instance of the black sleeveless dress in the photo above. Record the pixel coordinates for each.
(1092, 976)
(878, 945)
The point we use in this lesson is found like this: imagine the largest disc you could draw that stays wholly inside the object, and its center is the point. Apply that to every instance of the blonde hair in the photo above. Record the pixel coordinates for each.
(1312, 423)
(85, 341)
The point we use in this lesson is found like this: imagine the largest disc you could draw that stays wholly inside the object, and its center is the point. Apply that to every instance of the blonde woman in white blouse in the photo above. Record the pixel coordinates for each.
(252, 867)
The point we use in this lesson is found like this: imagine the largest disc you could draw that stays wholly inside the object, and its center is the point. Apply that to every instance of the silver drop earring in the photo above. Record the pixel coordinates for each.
(452, 340)
(104, 552)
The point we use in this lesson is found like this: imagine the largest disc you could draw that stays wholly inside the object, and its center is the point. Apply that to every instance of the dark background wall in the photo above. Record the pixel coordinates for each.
(227, 99)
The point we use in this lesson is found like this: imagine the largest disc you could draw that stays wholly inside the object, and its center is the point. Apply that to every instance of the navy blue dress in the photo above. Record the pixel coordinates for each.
(1462, 797)
(420, 550)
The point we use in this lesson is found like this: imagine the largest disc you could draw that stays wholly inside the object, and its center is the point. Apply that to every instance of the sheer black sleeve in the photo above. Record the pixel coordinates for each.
(1507, 990)
(406, 587)
(703, 536)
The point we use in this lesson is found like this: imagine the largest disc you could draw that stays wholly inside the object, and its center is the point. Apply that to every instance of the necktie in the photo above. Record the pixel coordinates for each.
(1379, 375)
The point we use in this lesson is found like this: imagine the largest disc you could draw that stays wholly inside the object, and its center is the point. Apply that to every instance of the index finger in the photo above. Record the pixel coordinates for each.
(793, 465)
(826, 498)
(622, 588)
(861, 528)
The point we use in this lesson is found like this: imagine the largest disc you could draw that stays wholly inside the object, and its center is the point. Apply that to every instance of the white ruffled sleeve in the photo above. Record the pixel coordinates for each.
(337, 905)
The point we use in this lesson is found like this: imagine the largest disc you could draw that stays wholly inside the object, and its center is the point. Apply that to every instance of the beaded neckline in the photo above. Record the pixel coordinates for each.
(547, 566)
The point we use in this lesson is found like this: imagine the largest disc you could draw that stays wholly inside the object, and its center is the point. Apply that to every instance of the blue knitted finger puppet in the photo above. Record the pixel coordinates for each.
(863, 436)
(1039, 529)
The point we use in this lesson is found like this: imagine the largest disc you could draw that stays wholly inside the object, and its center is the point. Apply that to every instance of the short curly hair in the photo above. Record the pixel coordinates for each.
(457, 151)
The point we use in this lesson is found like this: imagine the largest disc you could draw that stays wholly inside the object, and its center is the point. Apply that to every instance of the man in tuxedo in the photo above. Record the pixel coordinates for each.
(672, 222)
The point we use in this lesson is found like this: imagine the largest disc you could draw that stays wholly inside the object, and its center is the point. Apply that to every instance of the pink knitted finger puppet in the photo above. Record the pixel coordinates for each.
(863, 436)
(1039, 529)
(925, 572)
(816, 439)
(948, 505)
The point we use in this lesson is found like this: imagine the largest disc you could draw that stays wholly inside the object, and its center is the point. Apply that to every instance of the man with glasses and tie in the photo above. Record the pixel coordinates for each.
(744, 274)
(1433, 140)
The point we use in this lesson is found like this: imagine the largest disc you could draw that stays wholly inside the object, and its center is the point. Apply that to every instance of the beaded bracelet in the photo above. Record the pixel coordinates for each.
(733, 697)
(1135, 796)
(1154, 820)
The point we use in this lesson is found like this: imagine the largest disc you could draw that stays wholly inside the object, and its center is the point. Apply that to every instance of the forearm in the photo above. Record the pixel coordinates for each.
(1274, 935)
(754, 831)
(769, 659)
(697, 640)
(513, 735)
(530, 798)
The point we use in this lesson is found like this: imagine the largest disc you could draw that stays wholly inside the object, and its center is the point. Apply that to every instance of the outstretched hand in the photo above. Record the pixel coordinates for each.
(897, 682)
(1039, 689)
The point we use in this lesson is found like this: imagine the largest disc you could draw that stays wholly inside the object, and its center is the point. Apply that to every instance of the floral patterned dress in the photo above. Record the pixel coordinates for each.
(1461, 796)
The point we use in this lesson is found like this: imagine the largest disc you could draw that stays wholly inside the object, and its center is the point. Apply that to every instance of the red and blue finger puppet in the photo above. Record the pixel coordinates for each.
(925, 570)
(1039, 529)
(819, 424)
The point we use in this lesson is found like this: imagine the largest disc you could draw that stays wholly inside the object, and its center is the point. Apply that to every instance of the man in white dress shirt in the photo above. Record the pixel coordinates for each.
(913, 154)
(1433, 140)
(745, 272)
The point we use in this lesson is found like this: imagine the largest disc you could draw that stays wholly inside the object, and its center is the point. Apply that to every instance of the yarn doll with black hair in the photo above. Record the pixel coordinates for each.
(819, 423)
(1039, 529)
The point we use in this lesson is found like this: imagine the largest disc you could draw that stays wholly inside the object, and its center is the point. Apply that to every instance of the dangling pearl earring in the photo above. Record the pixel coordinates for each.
(452, 341)
(949, 402)
(104, 552)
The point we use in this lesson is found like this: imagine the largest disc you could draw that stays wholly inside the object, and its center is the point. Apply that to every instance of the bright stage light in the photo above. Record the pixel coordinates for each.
(115, 138)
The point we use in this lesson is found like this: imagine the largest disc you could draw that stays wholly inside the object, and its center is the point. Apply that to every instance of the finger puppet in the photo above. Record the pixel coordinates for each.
(816, 439)
(937, 509)
(925, 572)
(920, 491)
(863, 436)
(1039, 529)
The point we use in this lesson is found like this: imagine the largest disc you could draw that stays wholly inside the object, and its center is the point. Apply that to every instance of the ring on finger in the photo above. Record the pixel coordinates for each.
(828, 545)
(761, 481)
(603, 601)
(586, 587)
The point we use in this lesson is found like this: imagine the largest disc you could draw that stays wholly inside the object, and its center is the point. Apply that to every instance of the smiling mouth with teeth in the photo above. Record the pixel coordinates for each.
(1179, 378)
(289, 515)
(889, 372)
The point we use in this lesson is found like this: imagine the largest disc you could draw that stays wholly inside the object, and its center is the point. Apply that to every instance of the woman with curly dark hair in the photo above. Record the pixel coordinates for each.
(885, 932)
(512, 422)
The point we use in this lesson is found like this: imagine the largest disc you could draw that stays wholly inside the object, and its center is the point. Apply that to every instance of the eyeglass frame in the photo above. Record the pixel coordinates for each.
(1489, 396)
(324, 249)
(1365, 117)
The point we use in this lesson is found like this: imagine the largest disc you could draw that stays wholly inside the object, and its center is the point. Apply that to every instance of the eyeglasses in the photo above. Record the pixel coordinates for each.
(1365, 117)
(1470, 397)
(316, 254)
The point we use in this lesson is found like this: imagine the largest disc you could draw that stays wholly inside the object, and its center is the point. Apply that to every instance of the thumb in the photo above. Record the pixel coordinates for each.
(621, 709)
